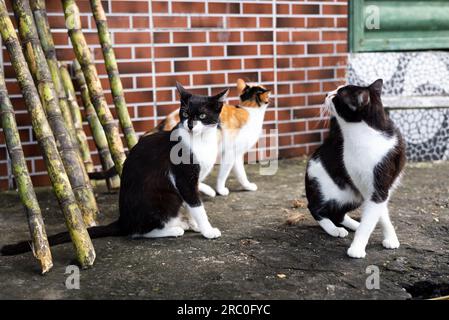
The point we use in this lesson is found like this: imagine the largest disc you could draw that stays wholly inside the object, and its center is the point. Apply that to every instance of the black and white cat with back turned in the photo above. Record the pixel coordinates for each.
(161, 173)
(358, 165)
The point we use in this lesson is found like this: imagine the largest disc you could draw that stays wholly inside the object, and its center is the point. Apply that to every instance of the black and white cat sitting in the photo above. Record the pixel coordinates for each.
(358, 165)
(161, 173)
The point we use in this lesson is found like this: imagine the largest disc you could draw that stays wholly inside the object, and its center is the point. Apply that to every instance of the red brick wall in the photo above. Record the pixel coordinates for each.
(297, 48)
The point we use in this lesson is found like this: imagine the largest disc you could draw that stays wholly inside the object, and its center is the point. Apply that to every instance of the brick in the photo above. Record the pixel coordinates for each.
(306, 62)
(305, 36)
(290, 49)
(306, 113)
(170, 81)
(258, 63)
(317, 99)
(189, 37)
(113, 22)
(306, 138)
(334, 61)
(296, 75)
(224, 36)
(161, 37)
(242, 22)
(306, 87)
(258, 36)
(144, 82)
(220, 7)
(188, 7)
(207, 51)
(206, 22)
(292, 127)
(248, 76)
(208, 79)
(288, 22)
(127, 6)
(282, 9)
(163, 66)
(164, 95)
(257, 8)
(131, 37)
(241, 50)
(265, 22)
(283, 63)
(225, 64)
(320, 48)
(171, 52)
(195, 65)
(141, 22)
(145, 111)
(170, 22)
(305, 9)
(335, 9)
(320, 74)
(159, 6)
(143, 52)
(334, 35)
(320, 22)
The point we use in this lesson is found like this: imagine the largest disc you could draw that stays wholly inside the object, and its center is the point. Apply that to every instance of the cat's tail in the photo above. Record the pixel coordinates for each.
(110, 230)
(101, 175)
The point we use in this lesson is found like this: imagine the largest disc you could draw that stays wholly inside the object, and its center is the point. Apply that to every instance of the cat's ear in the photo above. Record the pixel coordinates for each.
(221, 97)
(183, 92)
(376, 86)
(241, 85)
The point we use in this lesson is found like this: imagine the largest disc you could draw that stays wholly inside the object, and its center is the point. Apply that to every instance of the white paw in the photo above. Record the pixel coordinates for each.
(177, 232)
(250, 186)
(339, 232)
(208, 191)
(211, 233)
(391, 243)
(223, 191)
(356, 252)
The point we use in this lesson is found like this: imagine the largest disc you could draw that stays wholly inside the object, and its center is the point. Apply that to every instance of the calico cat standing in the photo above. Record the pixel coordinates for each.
(358, 165)
(160, 174)
(240, 128)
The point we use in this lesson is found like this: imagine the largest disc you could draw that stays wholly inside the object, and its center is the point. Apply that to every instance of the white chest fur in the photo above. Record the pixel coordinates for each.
(364, 148)
(249, 134)
(204, 147)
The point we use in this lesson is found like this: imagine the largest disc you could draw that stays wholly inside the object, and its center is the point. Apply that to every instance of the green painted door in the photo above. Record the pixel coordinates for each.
(398, 25)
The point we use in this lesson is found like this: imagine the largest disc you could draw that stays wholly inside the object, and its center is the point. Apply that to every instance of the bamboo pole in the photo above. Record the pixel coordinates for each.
(48, 46)
(61, 184)
(95, 126)
(72, 162)
(84, 57)
(77, 118)
(113, 73)
(41, 248)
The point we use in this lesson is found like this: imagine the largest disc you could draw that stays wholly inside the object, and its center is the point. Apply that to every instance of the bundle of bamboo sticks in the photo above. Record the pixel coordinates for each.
(57, 120)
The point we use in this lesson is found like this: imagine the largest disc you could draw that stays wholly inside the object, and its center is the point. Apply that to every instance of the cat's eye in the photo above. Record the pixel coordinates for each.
(202, 116)
(185, 114)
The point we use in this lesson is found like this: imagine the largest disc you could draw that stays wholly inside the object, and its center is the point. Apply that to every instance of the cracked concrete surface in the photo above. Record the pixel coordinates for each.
(259, 256)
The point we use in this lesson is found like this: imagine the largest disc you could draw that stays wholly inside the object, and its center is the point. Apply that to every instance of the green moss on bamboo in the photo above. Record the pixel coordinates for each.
(44, 135)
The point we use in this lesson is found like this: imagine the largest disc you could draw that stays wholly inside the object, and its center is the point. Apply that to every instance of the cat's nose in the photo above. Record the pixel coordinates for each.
(190, 125)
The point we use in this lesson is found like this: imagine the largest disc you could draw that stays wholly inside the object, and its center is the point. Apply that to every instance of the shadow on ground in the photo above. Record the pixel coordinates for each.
(259, 256)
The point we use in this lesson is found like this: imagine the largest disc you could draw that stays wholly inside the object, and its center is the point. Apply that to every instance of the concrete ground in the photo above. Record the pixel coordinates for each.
(259, 256)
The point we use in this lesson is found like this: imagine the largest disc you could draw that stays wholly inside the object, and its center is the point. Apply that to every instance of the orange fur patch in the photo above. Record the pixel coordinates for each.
(232, 117)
